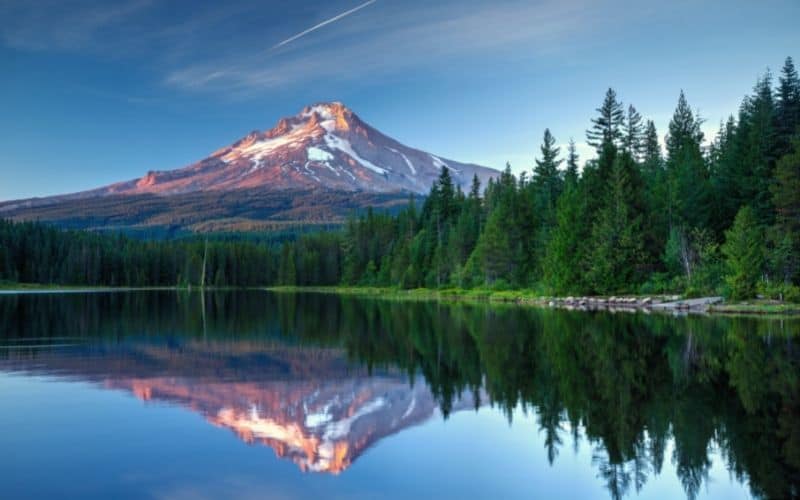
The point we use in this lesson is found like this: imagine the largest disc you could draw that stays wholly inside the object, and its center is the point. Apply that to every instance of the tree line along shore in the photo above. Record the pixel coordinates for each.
(696, 217)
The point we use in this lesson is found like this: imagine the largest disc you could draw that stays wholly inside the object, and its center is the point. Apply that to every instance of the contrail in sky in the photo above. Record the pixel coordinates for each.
(324, 23)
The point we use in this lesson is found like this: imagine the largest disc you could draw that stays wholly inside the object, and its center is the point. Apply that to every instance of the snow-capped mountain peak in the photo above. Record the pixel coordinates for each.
(319, 165)
(325, 145)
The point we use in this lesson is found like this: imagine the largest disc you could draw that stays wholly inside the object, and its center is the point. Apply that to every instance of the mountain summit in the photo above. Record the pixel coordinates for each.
(316, 166)
(324, 146)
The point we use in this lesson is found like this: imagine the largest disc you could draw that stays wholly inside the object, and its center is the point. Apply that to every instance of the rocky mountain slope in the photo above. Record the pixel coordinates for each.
(324, 149)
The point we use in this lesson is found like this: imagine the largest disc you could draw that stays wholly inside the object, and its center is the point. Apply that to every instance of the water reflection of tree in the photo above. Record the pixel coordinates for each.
(630, 383)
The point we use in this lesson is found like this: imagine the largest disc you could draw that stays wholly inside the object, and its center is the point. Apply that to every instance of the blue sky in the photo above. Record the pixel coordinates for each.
(93, 92)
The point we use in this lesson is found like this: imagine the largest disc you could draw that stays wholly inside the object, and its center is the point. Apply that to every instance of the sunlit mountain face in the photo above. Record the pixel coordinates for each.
(316, 166)
(325, 145)
(309, 405)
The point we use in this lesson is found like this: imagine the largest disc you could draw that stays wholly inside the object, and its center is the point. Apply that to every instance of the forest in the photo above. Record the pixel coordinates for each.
(688, 215)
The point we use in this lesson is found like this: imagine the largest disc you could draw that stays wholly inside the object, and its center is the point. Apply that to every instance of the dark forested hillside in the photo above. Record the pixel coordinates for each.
(697, 216)
(202, 211)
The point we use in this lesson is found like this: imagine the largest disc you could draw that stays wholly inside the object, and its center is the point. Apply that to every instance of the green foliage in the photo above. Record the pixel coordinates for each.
(565, 261)
(688, 194)
(633, 138)
(547, 178)
(617, 252)
(779, 291)
(494, 253)
(787, 106)
(607, 126)
(744, 254)
(786, 197)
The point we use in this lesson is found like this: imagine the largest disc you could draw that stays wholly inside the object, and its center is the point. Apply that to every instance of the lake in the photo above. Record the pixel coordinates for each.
(252, 394)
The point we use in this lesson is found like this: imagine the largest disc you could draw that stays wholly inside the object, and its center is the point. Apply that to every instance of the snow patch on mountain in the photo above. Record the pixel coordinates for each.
(408, 162)
(343, 145)
(439, 163)
(325, 145)
(316, 154)
(261, 148)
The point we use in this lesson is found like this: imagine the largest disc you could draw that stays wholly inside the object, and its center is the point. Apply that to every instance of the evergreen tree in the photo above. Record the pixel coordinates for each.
(786, 197)
(571, 174)
(607, 127)
(546, 174)
(744, 254)
(468, 226)
(633, 134)
(725, 177)
(688, 196)
(656, 221)
(444, 209)
(547, 179)
(788, 106)
(617, 251)
(758, 150)
(566, 259)
(540, 216)
(651, 150)
(495, 253)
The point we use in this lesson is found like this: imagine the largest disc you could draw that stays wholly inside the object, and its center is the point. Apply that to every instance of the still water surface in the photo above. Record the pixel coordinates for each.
(258, 395)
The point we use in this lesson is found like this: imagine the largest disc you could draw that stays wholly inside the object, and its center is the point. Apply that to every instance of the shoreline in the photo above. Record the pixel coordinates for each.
(658, 304)
(664, 304)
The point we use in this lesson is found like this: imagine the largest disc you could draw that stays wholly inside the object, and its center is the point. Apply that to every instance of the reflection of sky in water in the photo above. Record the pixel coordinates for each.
(67, 438)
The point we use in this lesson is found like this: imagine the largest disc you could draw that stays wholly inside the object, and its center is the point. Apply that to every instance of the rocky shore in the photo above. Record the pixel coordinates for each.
(660, 303)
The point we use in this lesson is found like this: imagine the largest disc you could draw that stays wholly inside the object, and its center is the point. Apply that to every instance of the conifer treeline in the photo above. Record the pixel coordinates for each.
(699, 217)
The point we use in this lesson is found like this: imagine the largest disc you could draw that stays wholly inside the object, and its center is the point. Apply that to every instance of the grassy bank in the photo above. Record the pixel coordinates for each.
(9, 286)
(756, 307)
(509, 296)
(522, 297)
(12, 286)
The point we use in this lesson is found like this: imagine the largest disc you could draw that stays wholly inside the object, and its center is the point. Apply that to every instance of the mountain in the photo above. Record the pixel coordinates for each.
(310, 405)
(325, 155)
(324, 146)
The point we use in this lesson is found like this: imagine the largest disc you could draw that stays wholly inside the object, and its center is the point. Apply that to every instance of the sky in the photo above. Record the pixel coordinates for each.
(98, 91)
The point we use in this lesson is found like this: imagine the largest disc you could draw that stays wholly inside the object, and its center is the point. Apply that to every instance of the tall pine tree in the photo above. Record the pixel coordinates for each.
(617, 252)
(633, 134)
(786, 197)
(607, 127)
(788, 106)
(688, 196)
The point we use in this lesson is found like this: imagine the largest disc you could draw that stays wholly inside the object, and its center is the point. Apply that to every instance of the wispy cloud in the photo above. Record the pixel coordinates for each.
(323, 24)
(63, 25)
(401, 38)
(226, 47)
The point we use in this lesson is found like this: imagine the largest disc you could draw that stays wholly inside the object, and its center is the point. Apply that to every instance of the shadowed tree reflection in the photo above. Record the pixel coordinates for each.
(637, 389)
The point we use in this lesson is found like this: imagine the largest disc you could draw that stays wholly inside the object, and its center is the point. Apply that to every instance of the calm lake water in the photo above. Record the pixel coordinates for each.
(258, 395)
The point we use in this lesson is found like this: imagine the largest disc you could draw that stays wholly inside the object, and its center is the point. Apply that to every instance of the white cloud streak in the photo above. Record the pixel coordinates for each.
(403, 38)
(323, 24)
(212, 49)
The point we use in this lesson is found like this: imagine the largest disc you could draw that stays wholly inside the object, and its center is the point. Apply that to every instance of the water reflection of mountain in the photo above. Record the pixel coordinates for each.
(308, 404)
(644, 390)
